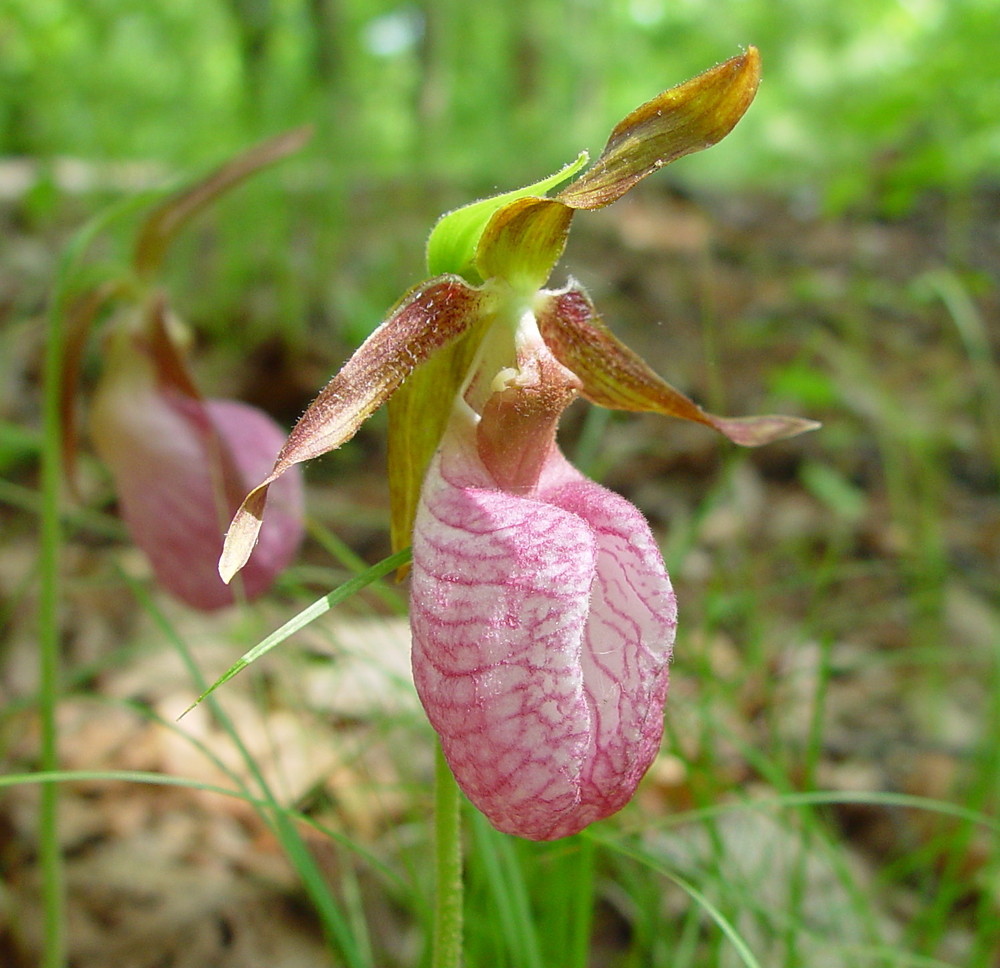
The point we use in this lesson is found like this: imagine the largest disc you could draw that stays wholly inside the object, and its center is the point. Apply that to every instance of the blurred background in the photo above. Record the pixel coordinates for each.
(865, 106)
(831, 775)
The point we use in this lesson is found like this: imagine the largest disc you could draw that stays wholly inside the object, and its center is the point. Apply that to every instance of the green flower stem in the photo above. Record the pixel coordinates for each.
(49, 848)
(448, 867)
(582, 915)
(50, 859)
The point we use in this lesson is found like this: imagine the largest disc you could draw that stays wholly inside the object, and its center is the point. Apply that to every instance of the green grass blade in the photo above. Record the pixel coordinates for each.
(722, 922)
(51, 538)
(338, 932)
(307, 615)
(508, 893)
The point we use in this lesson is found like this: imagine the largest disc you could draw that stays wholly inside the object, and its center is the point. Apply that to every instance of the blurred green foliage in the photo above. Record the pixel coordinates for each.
(871, 101)
(422, 106)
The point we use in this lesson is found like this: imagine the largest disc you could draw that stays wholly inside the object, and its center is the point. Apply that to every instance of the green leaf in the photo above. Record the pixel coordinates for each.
(454, 239)
(418, 414)
(835, 491)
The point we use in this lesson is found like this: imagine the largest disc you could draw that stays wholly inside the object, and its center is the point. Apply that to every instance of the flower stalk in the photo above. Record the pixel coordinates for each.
(448, 882)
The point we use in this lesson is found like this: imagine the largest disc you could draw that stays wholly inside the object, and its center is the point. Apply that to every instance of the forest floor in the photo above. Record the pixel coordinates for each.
(839, 596)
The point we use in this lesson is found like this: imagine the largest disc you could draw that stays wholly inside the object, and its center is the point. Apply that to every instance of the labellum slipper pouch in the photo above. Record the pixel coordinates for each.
(543, 618)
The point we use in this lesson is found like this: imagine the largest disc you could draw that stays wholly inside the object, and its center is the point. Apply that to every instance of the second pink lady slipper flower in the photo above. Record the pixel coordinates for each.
(542, 615)
(180, 463)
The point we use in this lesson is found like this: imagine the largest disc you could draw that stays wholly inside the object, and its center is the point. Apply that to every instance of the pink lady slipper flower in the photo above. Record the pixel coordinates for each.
(541, 612)
(181, 463)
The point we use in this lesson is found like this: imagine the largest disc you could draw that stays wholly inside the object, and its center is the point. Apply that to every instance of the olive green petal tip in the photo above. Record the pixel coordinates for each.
(523, 241)
(687, 118)
(454, 240)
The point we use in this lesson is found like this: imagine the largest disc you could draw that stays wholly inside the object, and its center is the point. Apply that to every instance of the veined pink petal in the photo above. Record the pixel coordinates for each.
(542, 631)
(180, 466)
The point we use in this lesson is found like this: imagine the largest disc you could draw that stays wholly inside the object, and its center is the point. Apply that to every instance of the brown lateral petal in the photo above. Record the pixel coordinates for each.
(687, 118)
(171, 366)
(428, 318)
(616, 377)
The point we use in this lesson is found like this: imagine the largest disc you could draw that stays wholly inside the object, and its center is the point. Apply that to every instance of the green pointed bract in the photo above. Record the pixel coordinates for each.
(616, 377)
(454, 240)
(692, 116)
(426, 320)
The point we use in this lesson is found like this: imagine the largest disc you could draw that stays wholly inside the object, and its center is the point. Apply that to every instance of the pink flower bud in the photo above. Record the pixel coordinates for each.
(181, 465)
(543, 621)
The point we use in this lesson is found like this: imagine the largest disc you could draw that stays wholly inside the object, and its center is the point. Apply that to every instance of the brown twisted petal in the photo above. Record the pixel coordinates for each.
(428, 318)
(616, 377)
(163, 224)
